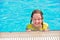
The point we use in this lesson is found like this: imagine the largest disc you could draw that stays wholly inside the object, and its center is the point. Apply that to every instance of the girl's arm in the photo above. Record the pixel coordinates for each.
(45, 28)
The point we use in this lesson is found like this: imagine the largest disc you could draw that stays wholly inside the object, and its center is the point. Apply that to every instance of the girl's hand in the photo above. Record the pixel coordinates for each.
(28, 30)
(46, 30)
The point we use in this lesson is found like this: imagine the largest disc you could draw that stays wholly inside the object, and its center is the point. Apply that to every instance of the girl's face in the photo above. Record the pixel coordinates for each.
(37, 19)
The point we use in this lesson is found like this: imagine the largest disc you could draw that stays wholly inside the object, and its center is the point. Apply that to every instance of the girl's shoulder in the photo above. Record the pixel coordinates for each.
(45, 25)
(29, 26)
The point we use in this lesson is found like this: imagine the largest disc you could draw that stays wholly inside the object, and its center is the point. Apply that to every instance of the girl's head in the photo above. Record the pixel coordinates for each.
(37, 18)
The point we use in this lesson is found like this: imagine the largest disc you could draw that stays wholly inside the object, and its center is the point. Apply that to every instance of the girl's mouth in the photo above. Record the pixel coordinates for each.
(37, 23)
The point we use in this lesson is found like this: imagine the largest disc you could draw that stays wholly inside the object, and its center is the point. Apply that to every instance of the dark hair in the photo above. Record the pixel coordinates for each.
(36, 11)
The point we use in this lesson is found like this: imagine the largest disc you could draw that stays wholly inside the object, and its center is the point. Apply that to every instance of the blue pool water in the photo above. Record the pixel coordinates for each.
(15, 14)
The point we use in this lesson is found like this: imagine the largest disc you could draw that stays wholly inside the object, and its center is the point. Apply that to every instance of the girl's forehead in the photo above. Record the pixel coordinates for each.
(36, 15)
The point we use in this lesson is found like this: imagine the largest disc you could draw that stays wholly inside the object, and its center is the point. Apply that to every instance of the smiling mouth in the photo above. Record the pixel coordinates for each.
(37, 23)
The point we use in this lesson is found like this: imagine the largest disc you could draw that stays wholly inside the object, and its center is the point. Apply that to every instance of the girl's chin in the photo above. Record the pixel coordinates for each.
(36, 25)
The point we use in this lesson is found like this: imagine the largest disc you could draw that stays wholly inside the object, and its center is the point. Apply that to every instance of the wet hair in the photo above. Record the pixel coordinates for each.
(34, 12)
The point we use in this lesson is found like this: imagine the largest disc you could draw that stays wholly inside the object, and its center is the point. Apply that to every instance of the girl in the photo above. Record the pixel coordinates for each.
(36, 23)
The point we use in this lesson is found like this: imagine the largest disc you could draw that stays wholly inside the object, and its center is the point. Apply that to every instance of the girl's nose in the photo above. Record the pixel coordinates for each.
(37, 21)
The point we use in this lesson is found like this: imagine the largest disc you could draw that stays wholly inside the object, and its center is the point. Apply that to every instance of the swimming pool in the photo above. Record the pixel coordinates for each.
(15, 14)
